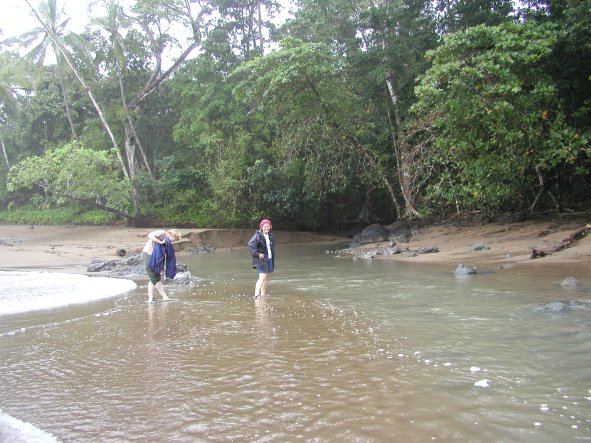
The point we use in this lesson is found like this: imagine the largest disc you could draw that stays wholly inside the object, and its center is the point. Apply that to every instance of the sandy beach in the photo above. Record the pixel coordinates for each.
(507, 246)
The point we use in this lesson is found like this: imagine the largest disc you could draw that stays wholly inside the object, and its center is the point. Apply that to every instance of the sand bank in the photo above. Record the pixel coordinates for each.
(507, 246)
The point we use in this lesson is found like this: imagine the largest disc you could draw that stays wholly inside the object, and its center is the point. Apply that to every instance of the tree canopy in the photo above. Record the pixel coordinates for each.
(216, 114)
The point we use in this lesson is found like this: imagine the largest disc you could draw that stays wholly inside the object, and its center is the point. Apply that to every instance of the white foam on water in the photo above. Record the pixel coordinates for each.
(22, 291)
(13, 430)
(482, 383)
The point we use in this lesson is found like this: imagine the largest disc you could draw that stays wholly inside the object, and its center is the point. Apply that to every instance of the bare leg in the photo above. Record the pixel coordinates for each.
(161, 291)
(265, 283)
(259, 285)
(150, 292)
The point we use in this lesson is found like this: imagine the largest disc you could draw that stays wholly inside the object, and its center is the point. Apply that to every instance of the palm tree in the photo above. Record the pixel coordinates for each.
(55, 22)
(63, 51)
(152, 21)
(115, 54)
(13, 77)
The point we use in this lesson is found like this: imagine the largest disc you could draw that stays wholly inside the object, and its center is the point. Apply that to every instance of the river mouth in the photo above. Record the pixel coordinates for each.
(340, 350)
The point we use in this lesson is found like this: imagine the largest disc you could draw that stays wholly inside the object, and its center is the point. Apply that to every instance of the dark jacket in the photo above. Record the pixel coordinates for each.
(257, 244)
(163, 256)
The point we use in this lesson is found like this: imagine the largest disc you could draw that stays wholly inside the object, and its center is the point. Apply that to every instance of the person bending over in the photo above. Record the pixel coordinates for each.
(155, 239)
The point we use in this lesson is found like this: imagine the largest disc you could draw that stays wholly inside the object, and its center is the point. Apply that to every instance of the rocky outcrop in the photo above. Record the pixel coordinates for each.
(372, 234)
(565, 306)
(132, 267)
(570, 282)
(463, 269)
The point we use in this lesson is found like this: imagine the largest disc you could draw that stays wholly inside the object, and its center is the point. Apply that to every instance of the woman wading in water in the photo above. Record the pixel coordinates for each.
(165, 261)
(262, 250)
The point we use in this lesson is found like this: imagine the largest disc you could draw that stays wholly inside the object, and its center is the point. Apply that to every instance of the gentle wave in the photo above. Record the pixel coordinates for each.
(26, 291)
(13, 430)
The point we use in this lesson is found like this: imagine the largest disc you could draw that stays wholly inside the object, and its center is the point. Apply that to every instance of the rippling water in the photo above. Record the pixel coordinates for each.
(340, 350)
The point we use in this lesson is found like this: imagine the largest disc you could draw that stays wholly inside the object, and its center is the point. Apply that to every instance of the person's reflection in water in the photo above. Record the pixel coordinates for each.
(263, 323)
(157, 319)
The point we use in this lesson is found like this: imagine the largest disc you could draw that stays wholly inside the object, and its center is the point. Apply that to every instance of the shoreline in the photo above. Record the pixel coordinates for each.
(508, 246)
(70, 249)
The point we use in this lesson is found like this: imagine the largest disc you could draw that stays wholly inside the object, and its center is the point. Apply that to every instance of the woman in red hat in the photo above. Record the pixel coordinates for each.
(262, 250)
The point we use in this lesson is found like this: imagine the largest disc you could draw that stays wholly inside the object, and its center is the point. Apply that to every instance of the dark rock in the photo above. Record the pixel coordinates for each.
(463, 269)
(364, 256)
(133, 268)
(576, 305)
(184, 279)
(570, 282)
(556, 306)
(559, 306)
(200, 250)
(372, 234)
(8, 241)
(480, 247)
(393, 250)
(400, 232)
(99, 265)
(427, 250)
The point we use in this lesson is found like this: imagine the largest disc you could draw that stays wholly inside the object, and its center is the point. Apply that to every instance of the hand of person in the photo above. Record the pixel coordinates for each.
(261, 255)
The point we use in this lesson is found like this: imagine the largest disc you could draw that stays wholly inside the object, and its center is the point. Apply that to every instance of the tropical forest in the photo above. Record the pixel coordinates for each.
(319, 114)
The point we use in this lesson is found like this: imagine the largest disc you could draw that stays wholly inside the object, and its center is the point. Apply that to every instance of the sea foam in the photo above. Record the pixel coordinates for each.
(24, 291)
(13, 430)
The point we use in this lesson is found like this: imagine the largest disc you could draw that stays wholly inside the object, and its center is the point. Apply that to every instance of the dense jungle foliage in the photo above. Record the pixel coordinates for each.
(218, 113)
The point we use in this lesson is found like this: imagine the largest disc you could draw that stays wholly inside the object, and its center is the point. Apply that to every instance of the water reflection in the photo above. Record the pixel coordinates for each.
(264, 327)
(338, 351)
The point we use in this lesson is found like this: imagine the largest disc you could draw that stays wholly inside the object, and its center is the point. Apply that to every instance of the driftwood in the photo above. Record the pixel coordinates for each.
(565, 243)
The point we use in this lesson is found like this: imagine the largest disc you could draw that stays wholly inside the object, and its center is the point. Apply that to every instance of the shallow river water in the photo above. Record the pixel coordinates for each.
(340, 351)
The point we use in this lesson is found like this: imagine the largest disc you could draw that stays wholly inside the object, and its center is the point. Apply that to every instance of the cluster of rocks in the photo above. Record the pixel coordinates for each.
(401, 232)
(398, 232)
(566, 306)
(194, 250)
(9, 241)
(132, 267)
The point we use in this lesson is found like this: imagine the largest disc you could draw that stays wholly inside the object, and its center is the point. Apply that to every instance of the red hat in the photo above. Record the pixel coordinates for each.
(265, 222)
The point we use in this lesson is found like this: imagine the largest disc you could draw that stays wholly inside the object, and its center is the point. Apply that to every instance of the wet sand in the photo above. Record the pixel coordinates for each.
(507, 246)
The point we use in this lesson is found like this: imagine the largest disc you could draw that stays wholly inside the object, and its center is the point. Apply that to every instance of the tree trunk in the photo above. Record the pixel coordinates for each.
(130, 129)
(368, 155)
(260, 30)
(400, 146)
(4, 152)
(67, 105)
(130, 152)
(365, 213)
(98, 109)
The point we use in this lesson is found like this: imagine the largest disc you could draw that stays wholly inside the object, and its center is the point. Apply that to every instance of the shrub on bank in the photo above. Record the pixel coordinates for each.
(57, 216)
